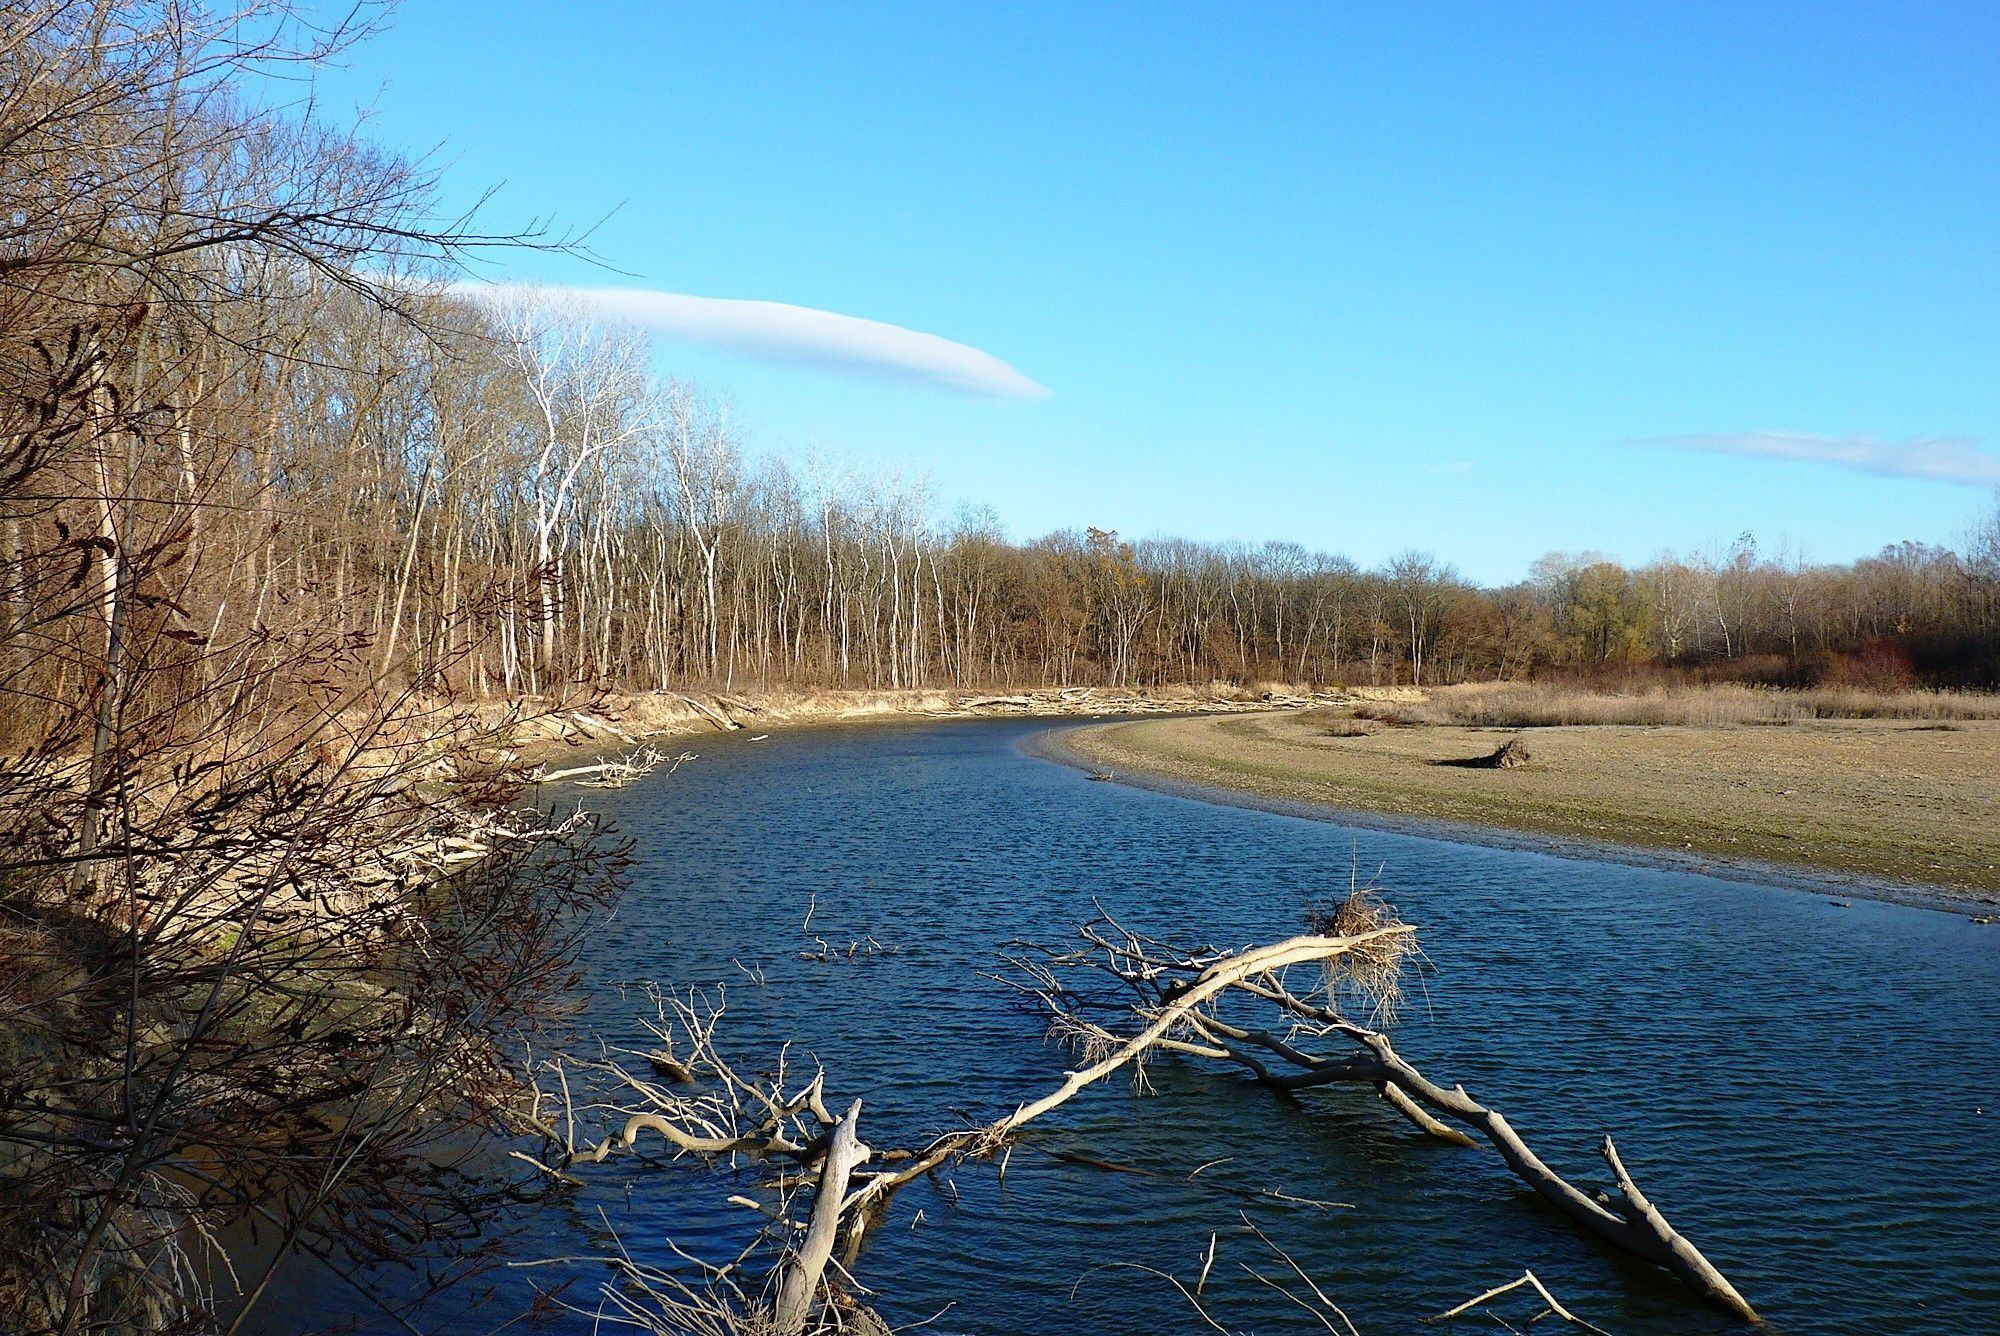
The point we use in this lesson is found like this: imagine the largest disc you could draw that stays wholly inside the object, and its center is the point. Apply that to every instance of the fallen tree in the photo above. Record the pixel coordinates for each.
(615, 772)
(1121, 999)
(1166, 986)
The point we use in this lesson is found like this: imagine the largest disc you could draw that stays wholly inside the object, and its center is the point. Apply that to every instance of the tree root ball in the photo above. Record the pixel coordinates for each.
(1511, 754)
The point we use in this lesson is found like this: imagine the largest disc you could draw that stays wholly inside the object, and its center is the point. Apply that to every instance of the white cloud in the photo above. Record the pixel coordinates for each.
(1933, 458)
(777, 331)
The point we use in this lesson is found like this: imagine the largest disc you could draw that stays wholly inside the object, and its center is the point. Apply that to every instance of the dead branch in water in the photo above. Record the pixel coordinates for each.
(703, 1104)
(1273, 1011)
(1552, 1307)
(1168, 989)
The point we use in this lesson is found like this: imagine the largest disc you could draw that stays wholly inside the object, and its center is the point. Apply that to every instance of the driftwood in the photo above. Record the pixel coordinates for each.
(617, 771)
(1158, 982)
(591, 725)
(1314, 1300)
(714, 716)
(1552, 1306)
(1110, 700)
(1245, 1007)
(859, 948)
(798, 1291)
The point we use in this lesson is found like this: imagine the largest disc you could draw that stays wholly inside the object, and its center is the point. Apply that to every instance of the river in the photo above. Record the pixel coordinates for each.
(1809, 1087)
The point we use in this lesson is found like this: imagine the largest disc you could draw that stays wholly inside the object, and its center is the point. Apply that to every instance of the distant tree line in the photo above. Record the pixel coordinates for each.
(502, 496)
(236, 399)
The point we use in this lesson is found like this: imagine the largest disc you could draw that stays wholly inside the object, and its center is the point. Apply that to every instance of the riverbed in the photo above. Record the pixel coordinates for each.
(1809, 1087)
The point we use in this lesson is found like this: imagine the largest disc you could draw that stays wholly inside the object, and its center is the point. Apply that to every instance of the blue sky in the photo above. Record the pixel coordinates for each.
(1488, 280)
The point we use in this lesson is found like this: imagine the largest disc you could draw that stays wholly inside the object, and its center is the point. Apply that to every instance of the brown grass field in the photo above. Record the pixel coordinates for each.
(1908, 793)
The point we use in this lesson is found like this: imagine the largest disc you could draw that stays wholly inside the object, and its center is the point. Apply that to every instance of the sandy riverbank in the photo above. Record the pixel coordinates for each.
(627, 718)
(1879, 798)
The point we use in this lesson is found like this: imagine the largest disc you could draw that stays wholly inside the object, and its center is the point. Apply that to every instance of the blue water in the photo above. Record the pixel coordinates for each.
(1810, 1092)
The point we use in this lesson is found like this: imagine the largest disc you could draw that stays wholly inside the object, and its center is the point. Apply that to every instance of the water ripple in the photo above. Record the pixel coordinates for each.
(1812, 1092)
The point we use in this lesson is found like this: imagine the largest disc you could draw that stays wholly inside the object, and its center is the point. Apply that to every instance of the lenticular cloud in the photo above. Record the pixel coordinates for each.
(778, 331)
(1933, 458)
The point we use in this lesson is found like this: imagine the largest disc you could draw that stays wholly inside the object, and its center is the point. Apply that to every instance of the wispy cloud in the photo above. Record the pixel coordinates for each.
(1934, 458)
(779, 332)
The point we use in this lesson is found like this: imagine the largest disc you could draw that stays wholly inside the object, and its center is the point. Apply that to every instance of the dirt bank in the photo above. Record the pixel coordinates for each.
(1885, 799)
(628, 718)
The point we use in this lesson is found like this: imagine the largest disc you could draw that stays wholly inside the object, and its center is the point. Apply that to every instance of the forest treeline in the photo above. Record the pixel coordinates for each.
(501, 494)
(238, 396)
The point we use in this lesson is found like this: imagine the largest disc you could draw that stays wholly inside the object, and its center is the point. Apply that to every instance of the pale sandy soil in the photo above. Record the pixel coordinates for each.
(1888, 799)
(631, 717)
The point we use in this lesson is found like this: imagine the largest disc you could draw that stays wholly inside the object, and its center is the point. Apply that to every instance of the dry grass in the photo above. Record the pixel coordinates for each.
(1537, 705)
(1889, 798)
(1371, 970)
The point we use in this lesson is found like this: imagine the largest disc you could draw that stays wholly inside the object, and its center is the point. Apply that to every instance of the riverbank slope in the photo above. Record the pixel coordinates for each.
(611, 719)
(1886, 799)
